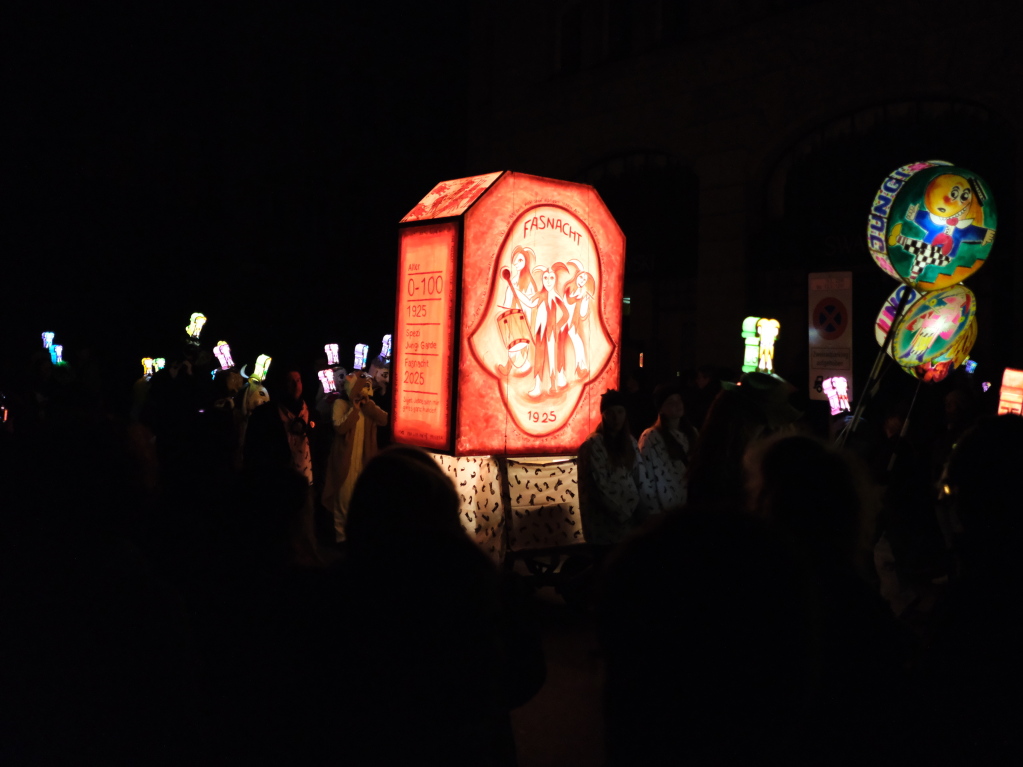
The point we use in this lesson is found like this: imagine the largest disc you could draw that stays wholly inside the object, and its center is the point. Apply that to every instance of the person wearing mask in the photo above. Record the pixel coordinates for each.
(355, 422)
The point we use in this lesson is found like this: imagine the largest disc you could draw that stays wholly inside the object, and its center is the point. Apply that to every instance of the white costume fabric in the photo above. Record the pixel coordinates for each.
(668, 476)
(612, 498)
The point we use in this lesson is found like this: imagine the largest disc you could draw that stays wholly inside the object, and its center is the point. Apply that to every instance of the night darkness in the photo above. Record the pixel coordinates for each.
(249, 162)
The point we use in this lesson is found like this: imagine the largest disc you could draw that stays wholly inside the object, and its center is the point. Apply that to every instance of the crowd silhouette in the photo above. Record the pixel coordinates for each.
(176, 591)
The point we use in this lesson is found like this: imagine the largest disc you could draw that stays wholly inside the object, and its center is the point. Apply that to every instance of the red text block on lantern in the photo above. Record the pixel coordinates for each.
(424, 337)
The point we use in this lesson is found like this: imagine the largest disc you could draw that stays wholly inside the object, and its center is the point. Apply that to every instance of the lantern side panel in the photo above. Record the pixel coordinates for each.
(424, 341)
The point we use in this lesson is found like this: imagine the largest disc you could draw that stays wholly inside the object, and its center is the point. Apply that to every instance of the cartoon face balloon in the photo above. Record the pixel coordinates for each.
(936, 333)
(932, 224)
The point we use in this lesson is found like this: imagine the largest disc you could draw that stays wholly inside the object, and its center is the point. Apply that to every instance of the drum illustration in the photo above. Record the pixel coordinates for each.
(514, 329)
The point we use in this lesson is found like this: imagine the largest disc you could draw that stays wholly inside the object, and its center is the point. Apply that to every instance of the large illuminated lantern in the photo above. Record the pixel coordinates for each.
(508, 316)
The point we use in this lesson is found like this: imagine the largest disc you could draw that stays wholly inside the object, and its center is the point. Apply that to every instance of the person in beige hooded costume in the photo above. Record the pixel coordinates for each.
(355, 443)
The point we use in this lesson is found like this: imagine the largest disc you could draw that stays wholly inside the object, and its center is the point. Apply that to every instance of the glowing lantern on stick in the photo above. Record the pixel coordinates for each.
(510, 292)
(262, 366)
(836, 389)
(147, 367)
(223, 354)
(332, 354)
(56, 352)
(751, 344)
(936, 333)
(195, 324)
(759, 335)
(361, 354)
(1010, 399)
(385, 348)
(47, 339)
(932, 224)
(327, 379)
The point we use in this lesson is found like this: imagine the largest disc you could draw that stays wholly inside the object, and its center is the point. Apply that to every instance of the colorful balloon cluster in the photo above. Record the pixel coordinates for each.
(931, 226)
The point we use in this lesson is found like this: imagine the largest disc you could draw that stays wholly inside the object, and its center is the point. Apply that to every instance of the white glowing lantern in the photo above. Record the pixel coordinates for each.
(195, 323)
(385, 348)
(223, 353)
(47, 339)
(332, 354)
(768, 332)
(837, 391)
(361, 353)
(159, 363)
(327, 379)
(56, 350)
(262, 366)
(147, 367)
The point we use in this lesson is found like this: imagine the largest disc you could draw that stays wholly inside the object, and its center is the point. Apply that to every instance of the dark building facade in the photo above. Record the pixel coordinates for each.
(740, 143)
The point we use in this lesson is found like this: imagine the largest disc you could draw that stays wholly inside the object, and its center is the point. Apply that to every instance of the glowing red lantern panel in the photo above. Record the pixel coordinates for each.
(539, 322)
(425, 326)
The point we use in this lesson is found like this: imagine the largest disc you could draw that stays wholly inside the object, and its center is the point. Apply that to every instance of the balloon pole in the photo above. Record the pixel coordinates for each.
(875, 373)
(905, 424)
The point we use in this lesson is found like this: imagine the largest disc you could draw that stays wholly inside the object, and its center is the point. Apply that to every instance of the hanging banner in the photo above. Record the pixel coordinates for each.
(830, 329)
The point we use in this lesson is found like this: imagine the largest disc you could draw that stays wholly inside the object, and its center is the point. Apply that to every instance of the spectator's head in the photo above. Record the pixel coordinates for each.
(809, 490)
(402, 496)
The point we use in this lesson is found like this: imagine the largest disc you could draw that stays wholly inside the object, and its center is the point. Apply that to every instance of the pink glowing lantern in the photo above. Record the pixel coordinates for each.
(332, 354)
(836, 389)
(223, 354)
(327, 379)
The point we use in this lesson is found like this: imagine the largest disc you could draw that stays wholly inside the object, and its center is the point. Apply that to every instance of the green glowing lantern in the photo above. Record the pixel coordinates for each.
(262, 366)
(932, 224)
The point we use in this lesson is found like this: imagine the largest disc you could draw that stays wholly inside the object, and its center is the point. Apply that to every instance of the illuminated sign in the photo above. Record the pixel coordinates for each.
(327, 379)
(1010, 399)
(361, 354)
(830, 329)
(932, 224)
(47, 339)
(759, 335)
(520, 323)
(195, 323)
(332, 354)
(223, 354)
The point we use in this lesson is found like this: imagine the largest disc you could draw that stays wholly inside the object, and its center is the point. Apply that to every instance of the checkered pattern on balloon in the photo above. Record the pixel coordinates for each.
(932, 225)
